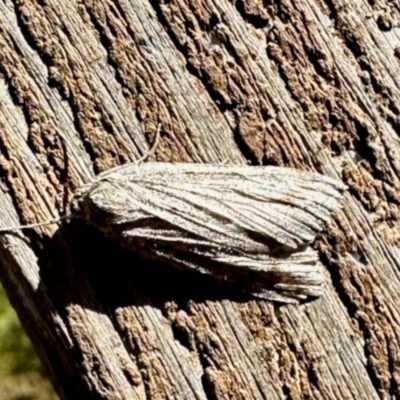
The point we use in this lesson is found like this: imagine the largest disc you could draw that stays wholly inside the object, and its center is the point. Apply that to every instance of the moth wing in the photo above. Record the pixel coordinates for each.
(248, 208)
(289, 278)
(250, 226)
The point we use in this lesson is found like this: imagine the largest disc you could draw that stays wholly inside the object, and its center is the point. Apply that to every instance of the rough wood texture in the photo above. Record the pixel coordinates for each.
(308, 84)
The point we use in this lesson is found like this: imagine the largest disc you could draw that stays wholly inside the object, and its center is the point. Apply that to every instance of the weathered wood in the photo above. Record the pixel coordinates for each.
(307, 84)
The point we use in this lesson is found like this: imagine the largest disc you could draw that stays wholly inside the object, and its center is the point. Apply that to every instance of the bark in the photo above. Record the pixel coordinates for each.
(307, 84)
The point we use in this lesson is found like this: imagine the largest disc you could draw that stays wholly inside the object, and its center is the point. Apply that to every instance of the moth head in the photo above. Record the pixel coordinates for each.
(102, 202)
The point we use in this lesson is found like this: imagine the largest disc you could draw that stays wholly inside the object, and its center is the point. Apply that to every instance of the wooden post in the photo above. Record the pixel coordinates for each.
(307, 84)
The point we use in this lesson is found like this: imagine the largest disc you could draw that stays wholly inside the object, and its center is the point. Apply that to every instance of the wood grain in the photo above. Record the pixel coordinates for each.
(307, 84)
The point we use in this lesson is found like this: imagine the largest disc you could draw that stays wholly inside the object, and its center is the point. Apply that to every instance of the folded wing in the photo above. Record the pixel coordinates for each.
(257, 220)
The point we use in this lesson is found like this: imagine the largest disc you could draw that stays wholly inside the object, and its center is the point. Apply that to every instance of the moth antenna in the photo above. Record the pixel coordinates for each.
(153, 146)
(30, 226)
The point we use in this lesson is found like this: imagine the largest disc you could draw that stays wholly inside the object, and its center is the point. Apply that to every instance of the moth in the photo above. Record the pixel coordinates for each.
(250, 227)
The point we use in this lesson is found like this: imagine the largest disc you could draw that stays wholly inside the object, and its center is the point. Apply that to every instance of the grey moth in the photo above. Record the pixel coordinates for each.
(250, 227)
